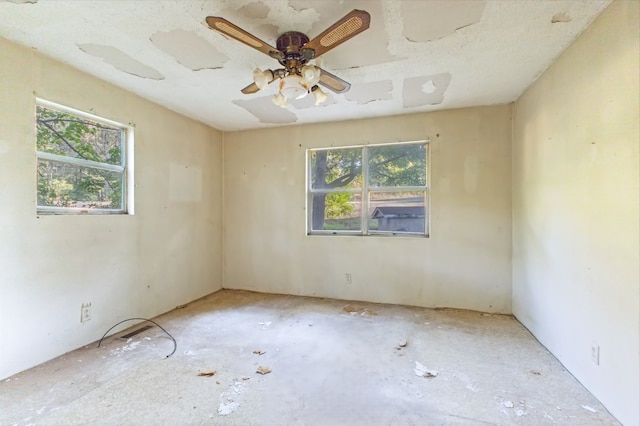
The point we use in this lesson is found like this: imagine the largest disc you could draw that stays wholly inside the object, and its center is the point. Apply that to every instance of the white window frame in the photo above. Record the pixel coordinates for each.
(126, 168)
(365, 191)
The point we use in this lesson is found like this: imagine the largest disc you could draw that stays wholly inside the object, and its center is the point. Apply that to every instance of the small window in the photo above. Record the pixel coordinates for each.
(83, 162)
(368, 190)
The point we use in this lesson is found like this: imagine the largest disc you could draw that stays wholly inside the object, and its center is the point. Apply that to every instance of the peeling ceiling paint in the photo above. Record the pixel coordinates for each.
(121, 60)
(310, 102)
(368, 48)
(365, 93)
(257, 10)
(189, 49)
(434, 19)
(428, 90)
(560, 17)
(264, 109)
(489, 61)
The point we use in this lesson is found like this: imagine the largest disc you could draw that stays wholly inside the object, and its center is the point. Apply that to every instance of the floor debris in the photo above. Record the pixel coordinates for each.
(358, 310)
(402, 344)
(259, 352)
(423, 371)
(265, 325)
(586, 407)
(263, 370)
(508, 404)
(207, 373)
(231, 399)
(246, 378)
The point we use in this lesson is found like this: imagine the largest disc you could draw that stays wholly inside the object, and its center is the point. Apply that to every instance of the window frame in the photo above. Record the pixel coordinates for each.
(126, 167)
(366, 192)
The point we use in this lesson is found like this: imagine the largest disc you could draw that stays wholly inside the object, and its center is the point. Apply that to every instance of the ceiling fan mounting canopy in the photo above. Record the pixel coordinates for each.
(294, 49)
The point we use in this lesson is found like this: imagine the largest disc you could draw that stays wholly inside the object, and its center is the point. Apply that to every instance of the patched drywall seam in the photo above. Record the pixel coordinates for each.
(264, 109)
(370, 92)
(435, 19)
(189, 49)
(120, 60)
(427, 90)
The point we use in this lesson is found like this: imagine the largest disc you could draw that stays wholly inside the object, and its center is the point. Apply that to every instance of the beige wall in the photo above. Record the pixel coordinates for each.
(167, 254)
(576, 210)
(466, 262)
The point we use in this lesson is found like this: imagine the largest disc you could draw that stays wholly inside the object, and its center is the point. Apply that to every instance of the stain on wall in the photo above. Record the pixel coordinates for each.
(189, 49)
(120, 60)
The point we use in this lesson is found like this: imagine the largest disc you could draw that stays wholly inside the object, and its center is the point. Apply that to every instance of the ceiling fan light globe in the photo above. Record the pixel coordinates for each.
(291, 87)
(319, 95)
(280, 100)
(310, 74)
(262, 78)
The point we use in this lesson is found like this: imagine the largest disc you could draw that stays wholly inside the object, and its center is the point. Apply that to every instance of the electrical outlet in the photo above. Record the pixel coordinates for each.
(85, 312)
(595, 354)
(347, 279)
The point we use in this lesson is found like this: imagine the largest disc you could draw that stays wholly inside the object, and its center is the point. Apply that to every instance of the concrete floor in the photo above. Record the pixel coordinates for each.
(332, 363)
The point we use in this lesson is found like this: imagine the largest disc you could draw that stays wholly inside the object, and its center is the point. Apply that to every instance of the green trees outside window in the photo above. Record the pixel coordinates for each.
(81, 163)
(369, 189)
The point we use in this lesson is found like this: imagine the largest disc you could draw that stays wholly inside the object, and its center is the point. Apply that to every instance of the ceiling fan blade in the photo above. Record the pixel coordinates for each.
(234, 31)
(333, 83)
(252, 88)
(272, 76)
(349, 26)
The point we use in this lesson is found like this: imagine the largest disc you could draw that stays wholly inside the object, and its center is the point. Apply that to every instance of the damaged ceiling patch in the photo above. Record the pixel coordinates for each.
(121, 60)
(428, 90)
(189, 49)
(368, 48)
(431, 20)
(560, 17)
(265, 110)
(370, 92)
(255, 10)
(310, 102)
(321, 6)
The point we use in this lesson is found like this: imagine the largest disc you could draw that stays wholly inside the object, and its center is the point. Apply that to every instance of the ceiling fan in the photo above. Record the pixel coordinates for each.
(293, 51)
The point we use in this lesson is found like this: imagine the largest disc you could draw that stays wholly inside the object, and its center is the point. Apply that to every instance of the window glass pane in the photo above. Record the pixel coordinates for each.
(400, 165)
(336, 168)
(397, 212)
(68, 185)
(336, 212)
(73, 136)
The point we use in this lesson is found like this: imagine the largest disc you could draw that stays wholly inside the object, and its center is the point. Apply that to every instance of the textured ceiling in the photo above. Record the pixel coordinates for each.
(416, 56)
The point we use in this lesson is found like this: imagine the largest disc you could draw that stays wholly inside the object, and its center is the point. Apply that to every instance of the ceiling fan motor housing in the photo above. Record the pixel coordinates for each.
(291, 45)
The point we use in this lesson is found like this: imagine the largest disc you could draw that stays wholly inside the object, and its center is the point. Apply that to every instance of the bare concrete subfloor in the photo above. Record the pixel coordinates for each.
(332, 363)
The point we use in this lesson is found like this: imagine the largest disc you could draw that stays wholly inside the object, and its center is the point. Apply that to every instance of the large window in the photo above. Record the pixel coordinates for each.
(368, 190)
(84, 162)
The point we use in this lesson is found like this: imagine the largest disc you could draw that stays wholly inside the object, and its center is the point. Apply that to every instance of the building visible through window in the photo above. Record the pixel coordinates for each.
(367, 190)
(83, 164)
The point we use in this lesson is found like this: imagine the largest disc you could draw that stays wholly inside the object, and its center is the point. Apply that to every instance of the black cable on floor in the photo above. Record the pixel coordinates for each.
(175, 344)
